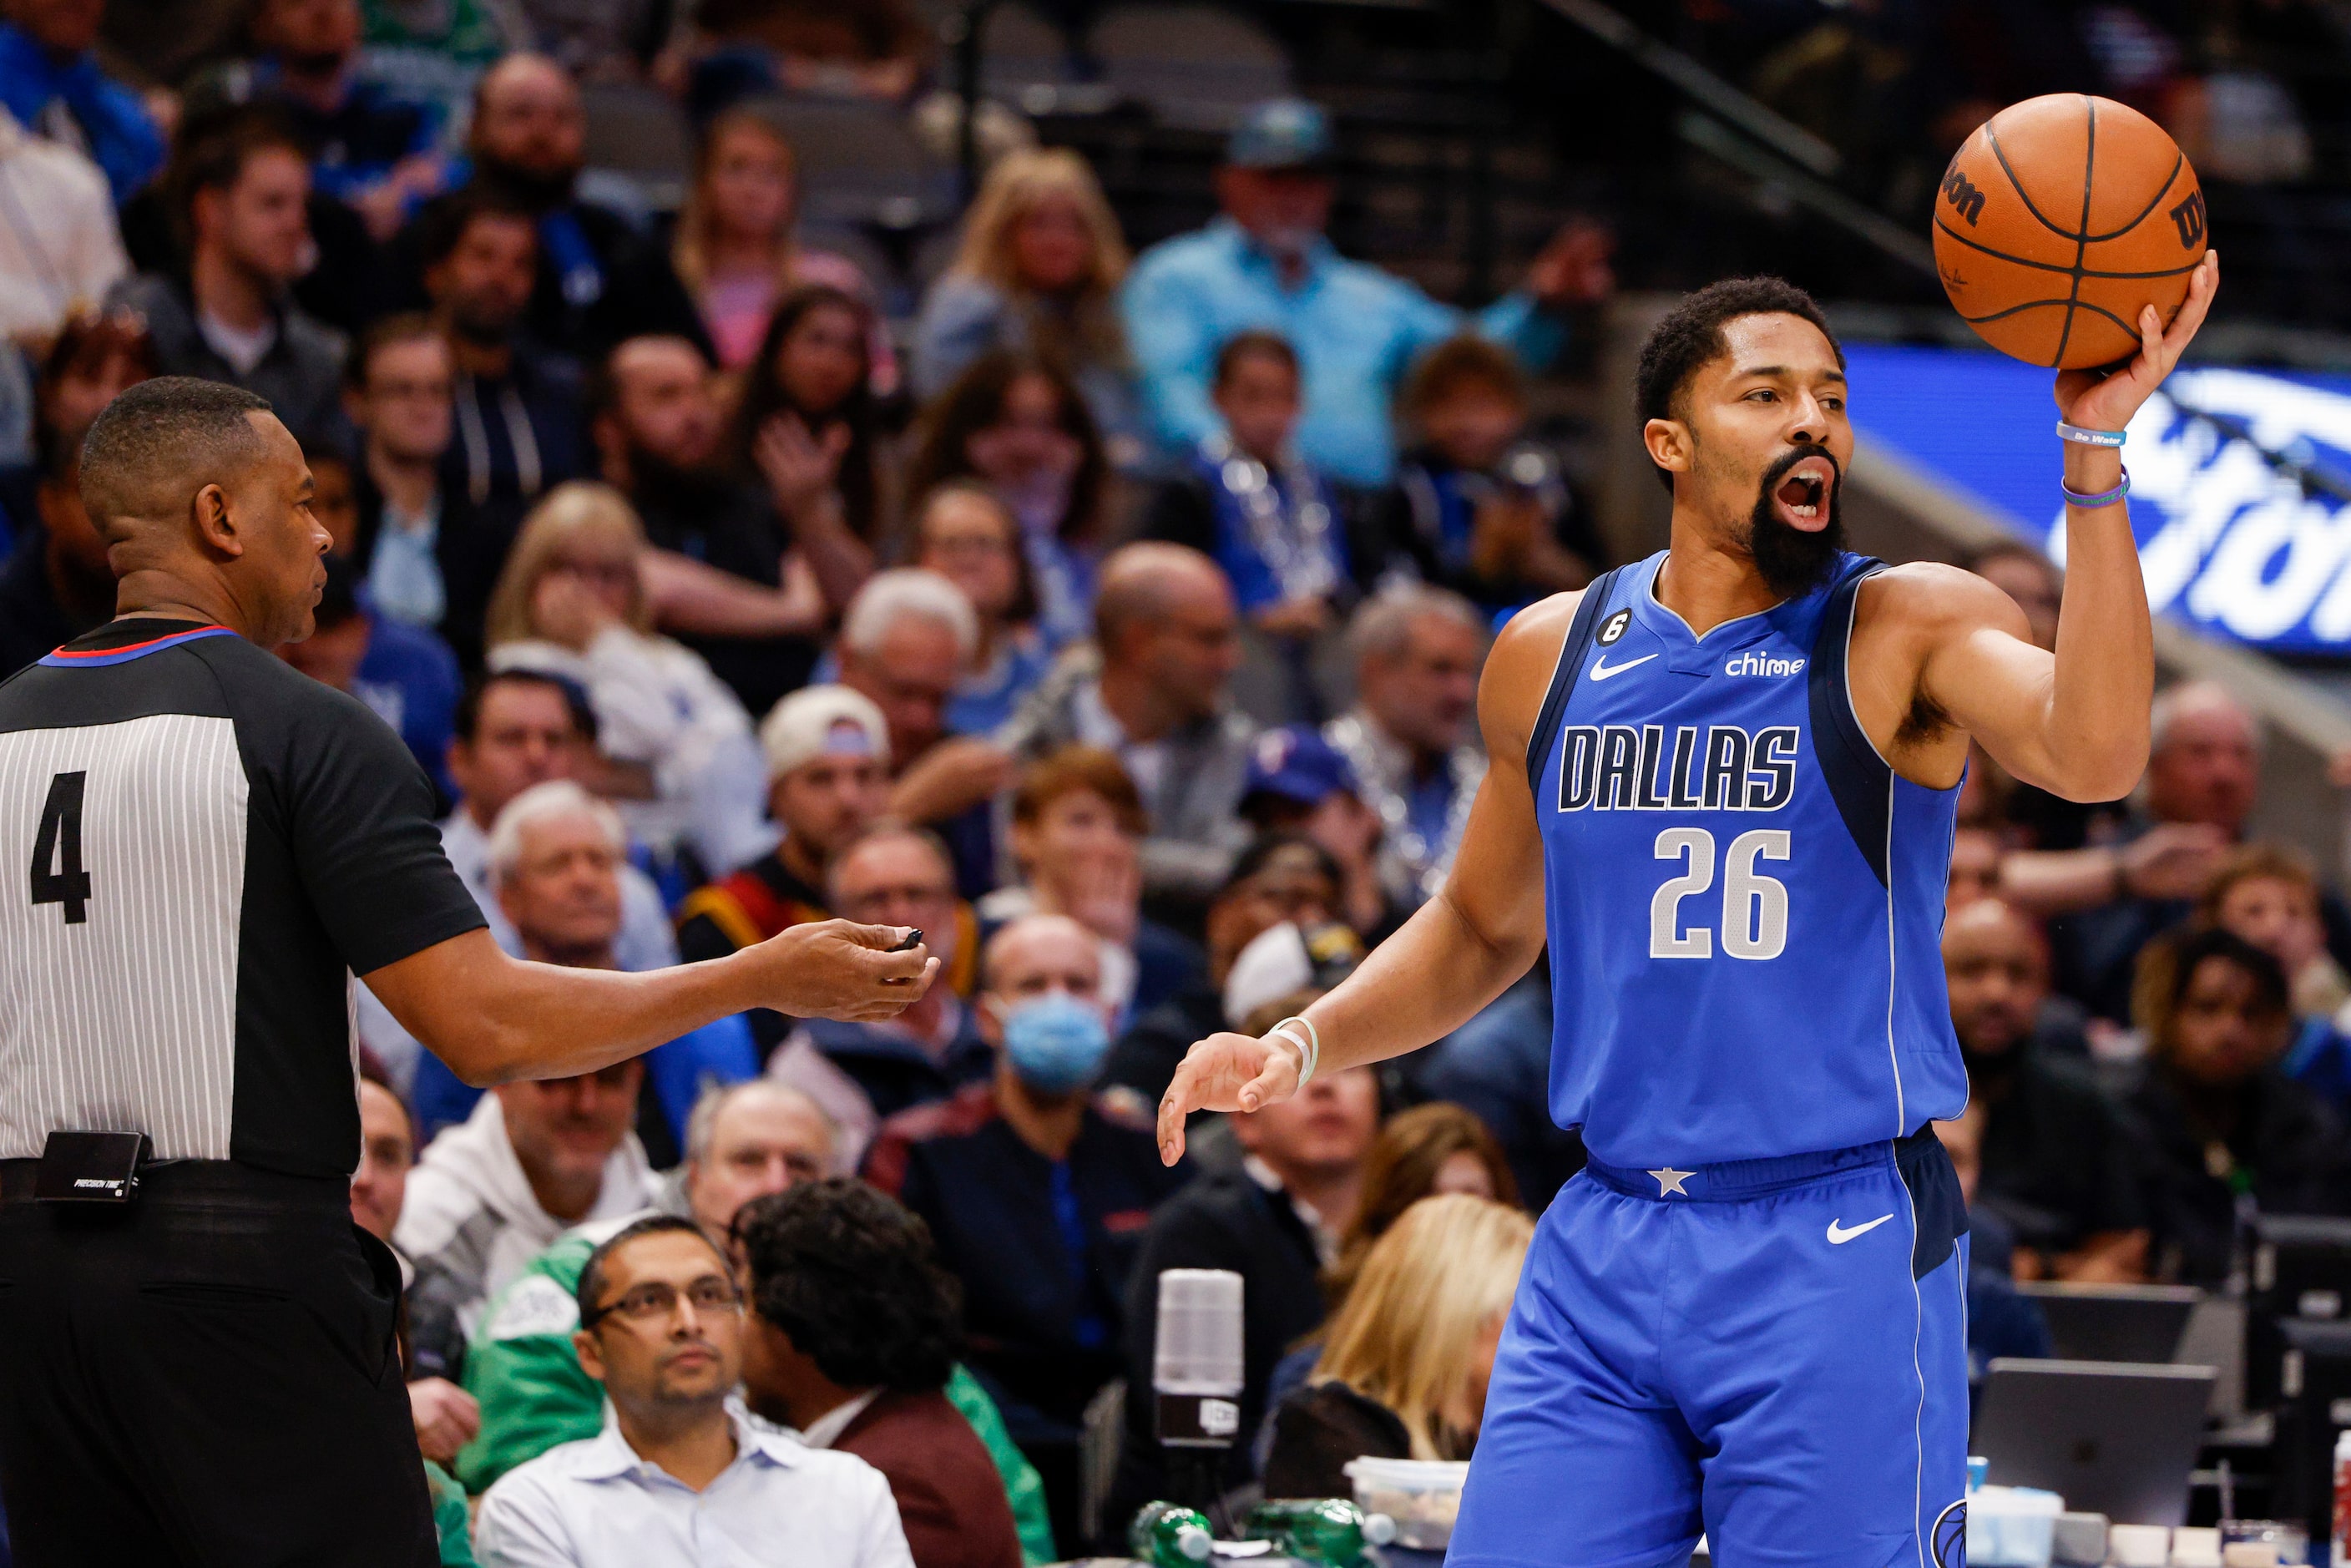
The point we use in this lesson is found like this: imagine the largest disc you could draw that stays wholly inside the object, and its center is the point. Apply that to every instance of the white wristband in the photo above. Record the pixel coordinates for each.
(1309, 1049)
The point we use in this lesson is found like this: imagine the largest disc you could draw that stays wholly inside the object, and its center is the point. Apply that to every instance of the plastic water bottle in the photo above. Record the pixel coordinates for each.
(1330, 1531)
(1169, 1535)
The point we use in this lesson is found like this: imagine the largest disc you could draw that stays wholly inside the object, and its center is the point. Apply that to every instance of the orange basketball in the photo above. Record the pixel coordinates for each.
(2058, 219)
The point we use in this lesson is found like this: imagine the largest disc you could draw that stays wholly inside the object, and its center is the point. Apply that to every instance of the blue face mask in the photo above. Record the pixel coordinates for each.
(1056, 1042)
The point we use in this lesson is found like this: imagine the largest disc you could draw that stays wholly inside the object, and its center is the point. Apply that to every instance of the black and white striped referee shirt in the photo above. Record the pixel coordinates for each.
(214, 844)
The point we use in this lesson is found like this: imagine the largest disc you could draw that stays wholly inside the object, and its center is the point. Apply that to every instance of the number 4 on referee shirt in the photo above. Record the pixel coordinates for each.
(57, 843)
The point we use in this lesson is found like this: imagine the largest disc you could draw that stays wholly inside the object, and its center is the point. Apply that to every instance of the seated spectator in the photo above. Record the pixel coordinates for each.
(905, 643)
(446, 1416)
(491, 1193)
(807, 430)
(2214, 1120)
(2268, 894)
(964, 534)
(406, 676)
(717, 276)
(1037, 272)
(95, 356)
(525, 143)
(1976, 855)
(1407, 1357)
(661, 1328)
(429, 556)
(1016, 424)
(1152, 692)
(518, 402)
(1277, 1222)
(1076, 844)
(1264, 262)
(1272, 523)
(74, 255)
(2056, 1166)
(52, 83)
(1475, 507)
(370, 149)
(1430, 1149)
(58, 584)
(555, 858)
(744, 1141)
(572, 602)
(864, 1072)
(2203, 772)
(1280, 877)
(828, 780)
(852, 1336)
(239, 197)
(514, 730)
(1037, 1191)
(1409, 738)
(2001, 1320)
(836, 48)
(1298, 783)
(722, 577)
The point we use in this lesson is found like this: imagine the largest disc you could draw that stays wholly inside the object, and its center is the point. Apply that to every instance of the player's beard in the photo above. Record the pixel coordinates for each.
(1792, 562)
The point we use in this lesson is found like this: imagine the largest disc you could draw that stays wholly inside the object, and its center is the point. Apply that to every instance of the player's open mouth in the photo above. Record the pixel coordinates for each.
(1803, 496)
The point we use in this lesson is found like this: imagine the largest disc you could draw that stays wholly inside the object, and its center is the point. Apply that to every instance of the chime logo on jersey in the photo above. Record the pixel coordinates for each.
(1704, 768)
(1754, 663)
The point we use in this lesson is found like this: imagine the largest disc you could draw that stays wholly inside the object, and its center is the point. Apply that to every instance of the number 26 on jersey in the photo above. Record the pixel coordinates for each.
(1753, 916)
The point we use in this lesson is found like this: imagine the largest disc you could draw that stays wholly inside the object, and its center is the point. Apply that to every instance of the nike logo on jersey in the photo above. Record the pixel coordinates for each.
(1601, 669)
(1839, 1235)
(1711, 768)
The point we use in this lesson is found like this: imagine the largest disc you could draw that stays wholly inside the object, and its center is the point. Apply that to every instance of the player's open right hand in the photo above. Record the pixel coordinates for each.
(839, 969)
(1225, 1072)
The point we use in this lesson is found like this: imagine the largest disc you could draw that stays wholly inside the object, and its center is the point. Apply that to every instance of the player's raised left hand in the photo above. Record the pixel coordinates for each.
(2106, 399)
(1225, 1072)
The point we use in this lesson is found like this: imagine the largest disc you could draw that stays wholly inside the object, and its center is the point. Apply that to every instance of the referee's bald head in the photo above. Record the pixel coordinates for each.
(160, 442)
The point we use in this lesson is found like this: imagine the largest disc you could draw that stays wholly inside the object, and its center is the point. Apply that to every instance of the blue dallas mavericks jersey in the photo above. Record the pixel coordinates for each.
(1745, 902)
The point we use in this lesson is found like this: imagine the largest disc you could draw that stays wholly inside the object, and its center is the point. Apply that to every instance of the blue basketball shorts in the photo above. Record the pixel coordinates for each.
(1773, 1351)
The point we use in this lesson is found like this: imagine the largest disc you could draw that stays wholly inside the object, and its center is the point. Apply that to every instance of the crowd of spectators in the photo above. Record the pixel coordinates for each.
(1114, 620)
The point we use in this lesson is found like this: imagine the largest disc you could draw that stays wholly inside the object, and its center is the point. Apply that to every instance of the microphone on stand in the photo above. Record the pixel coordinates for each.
(1196, 1377)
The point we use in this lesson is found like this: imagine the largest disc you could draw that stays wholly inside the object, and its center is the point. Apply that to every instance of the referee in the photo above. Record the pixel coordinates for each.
(205, 1373)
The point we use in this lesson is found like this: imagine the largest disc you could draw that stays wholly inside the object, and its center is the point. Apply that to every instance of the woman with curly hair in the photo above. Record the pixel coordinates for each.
(851, 1338)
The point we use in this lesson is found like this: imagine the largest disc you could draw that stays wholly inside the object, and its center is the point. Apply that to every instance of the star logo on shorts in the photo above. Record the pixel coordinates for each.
(1669, 1181)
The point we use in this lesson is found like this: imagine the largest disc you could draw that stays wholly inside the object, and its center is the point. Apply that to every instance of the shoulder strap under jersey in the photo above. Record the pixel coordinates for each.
(1563, 676)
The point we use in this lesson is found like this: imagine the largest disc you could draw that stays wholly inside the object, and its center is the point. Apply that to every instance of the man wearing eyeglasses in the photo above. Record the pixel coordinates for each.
(677, 1477)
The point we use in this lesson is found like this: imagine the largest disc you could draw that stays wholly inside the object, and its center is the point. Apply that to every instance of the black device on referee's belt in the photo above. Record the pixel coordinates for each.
(91, 1167)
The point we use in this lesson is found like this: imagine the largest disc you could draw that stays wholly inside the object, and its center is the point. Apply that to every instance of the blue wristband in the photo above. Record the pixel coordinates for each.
(2081, 437)
(2103, 498)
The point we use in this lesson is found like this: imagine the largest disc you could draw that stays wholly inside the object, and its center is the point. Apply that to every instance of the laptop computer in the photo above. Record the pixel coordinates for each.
(2112, 1437)
(2115, 1323)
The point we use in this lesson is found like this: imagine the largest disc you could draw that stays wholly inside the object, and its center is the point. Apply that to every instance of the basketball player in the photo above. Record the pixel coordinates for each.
(205, 1373)
(1737, 763)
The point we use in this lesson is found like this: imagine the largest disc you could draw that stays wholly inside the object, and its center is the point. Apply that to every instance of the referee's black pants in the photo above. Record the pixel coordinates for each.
(205, 1378)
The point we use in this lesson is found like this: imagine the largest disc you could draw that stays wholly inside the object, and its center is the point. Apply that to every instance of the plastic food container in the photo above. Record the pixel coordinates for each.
(1422, 1496)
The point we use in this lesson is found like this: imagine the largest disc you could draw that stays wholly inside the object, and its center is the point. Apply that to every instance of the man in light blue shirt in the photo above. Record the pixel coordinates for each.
(677, 1476)
(1265, 264)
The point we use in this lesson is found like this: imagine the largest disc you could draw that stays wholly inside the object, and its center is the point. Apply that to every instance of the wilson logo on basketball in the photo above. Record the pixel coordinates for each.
(2189, 217)
(1965, 199)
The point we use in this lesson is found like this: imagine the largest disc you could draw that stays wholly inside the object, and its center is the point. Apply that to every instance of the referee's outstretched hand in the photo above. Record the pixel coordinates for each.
(1225, 1072)
(839, 969)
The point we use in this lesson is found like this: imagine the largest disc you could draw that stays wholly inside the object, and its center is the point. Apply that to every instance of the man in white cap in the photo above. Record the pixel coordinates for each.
(828, 751)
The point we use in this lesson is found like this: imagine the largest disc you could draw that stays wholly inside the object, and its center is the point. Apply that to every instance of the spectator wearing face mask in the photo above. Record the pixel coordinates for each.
(2215, 1124)
(1038, 1192)
(851, 1342)
(446, 1415)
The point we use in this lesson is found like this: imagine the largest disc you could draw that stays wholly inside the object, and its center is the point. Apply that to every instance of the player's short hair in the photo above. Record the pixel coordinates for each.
(1690, 335)
(161, 441)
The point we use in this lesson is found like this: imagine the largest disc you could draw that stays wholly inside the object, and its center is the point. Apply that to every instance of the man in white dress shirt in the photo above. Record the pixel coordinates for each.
(678, 1476)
